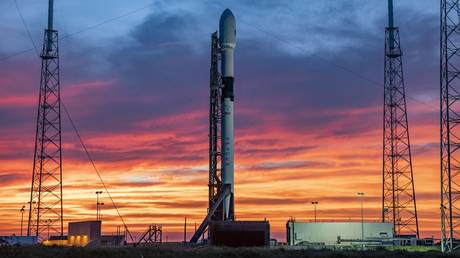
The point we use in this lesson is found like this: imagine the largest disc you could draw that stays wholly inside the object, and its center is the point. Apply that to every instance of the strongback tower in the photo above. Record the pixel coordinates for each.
(398, 198)
(450, 124)
(215, 118)
(45, 210)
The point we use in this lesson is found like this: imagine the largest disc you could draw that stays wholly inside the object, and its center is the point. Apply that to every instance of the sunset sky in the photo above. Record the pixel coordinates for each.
(308, 108)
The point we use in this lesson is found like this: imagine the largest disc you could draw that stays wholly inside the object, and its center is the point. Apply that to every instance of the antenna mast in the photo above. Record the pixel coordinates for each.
(398, 197)
(45, 206)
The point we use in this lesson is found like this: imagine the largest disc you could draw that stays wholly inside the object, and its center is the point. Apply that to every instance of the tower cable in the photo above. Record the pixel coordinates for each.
(91, 27)
(332, 63)
(341, 67)
(26, 27)
(95, 168)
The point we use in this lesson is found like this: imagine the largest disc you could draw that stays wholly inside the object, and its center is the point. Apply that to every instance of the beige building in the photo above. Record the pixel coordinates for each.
(339, 233)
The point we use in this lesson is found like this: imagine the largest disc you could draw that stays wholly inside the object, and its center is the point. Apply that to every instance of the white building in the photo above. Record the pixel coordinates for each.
(339, 233)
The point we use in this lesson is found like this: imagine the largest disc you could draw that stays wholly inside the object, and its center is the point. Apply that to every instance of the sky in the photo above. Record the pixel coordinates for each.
(308, 108)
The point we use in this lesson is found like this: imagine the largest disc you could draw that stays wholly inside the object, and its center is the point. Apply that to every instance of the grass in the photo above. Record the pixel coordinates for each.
(201, 252)
(414, 248)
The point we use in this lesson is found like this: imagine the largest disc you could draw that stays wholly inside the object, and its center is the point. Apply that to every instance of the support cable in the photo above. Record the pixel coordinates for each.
(332, 63)
(95, 168)
(91, 27)
(26, 28)
(337, 65)
(341, 67)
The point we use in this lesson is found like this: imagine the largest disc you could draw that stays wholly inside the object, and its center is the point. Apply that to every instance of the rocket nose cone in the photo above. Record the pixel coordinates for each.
(227, 13)
(227, 28)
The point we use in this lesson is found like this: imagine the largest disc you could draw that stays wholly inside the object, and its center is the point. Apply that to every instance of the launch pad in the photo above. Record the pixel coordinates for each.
(240, 233)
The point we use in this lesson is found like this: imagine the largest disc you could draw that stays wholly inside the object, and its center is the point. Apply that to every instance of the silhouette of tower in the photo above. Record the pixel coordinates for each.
(398, 198)
(45, 210)
(450, 121)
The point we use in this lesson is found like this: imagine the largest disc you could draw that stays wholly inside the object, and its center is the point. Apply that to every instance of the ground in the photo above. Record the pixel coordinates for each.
(200, 252)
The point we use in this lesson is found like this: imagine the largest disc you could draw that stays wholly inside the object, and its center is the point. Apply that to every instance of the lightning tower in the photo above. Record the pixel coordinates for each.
(45, 206)
(398, 198)
(450, 121)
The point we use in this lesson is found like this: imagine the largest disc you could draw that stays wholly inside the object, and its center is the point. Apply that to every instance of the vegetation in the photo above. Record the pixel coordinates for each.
(413, 248)
(201, 252)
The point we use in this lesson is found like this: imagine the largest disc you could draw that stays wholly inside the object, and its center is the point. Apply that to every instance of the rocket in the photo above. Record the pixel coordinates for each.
(227, 42)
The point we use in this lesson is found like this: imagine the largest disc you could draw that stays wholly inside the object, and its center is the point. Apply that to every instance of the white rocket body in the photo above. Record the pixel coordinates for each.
(227, 42)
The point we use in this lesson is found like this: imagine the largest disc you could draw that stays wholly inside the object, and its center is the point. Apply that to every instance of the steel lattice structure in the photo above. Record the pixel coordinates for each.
(398, 199)
(450, 121)
(215, 118)
(154, 234)
(46, 210)
(217, 190)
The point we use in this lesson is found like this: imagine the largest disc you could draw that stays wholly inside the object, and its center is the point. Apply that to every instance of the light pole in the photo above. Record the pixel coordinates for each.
(97, 204)
(314, 204)
(22, 216)
(361, 195)
(100, 204)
